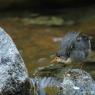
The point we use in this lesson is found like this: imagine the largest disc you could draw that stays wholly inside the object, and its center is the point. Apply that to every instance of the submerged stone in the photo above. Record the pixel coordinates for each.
(13, 73)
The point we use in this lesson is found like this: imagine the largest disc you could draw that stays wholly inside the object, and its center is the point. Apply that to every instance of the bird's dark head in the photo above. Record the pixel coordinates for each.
(74, 45)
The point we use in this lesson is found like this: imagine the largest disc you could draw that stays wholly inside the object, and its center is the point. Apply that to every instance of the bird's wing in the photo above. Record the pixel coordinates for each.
(78, 55)
(68, 39)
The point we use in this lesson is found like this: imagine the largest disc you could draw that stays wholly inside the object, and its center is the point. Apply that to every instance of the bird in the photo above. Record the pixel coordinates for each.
(74, 47)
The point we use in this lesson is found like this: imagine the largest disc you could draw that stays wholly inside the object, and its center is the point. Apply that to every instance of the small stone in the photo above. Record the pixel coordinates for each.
(68, 75)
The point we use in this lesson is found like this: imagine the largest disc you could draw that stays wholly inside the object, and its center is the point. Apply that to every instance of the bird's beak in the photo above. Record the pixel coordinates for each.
(55, 60)
(58, 60)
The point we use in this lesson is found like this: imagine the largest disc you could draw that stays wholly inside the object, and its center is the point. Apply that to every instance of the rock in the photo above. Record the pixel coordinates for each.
(78, 82)
(74, 82)
(13, 73)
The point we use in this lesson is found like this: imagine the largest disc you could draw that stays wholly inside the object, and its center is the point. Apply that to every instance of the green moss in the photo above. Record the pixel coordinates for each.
(44, 21)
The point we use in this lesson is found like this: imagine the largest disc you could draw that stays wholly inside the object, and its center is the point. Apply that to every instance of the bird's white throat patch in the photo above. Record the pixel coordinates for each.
(62, 60)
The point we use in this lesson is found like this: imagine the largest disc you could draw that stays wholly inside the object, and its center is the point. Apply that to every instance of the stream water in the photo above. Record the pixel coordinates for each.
(39, 43)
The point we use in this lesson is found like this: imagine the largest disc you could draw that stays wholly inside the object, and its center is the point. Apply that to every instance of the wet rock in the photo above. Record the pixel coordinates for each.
(13, 73)
(74, 82)
(78, 82)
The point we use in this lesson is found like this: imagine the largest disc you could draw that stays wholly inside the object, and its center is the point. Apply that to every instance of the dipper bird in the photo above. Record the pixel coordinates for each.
(75, 47)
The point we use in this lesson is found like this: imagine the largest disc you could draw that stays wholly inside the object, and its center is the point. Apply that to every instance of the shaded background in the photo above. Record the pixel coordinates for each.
(35, 4)
(36, 26)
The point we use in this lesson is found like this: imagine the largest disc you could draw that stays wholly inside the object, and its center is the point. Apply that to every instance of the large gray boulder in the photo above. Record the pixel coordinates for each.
(13, 73)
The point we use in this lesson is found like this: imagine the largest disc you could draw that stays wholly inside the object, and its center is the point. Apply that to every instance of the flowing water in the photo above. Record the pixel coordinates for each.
(39, 43)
